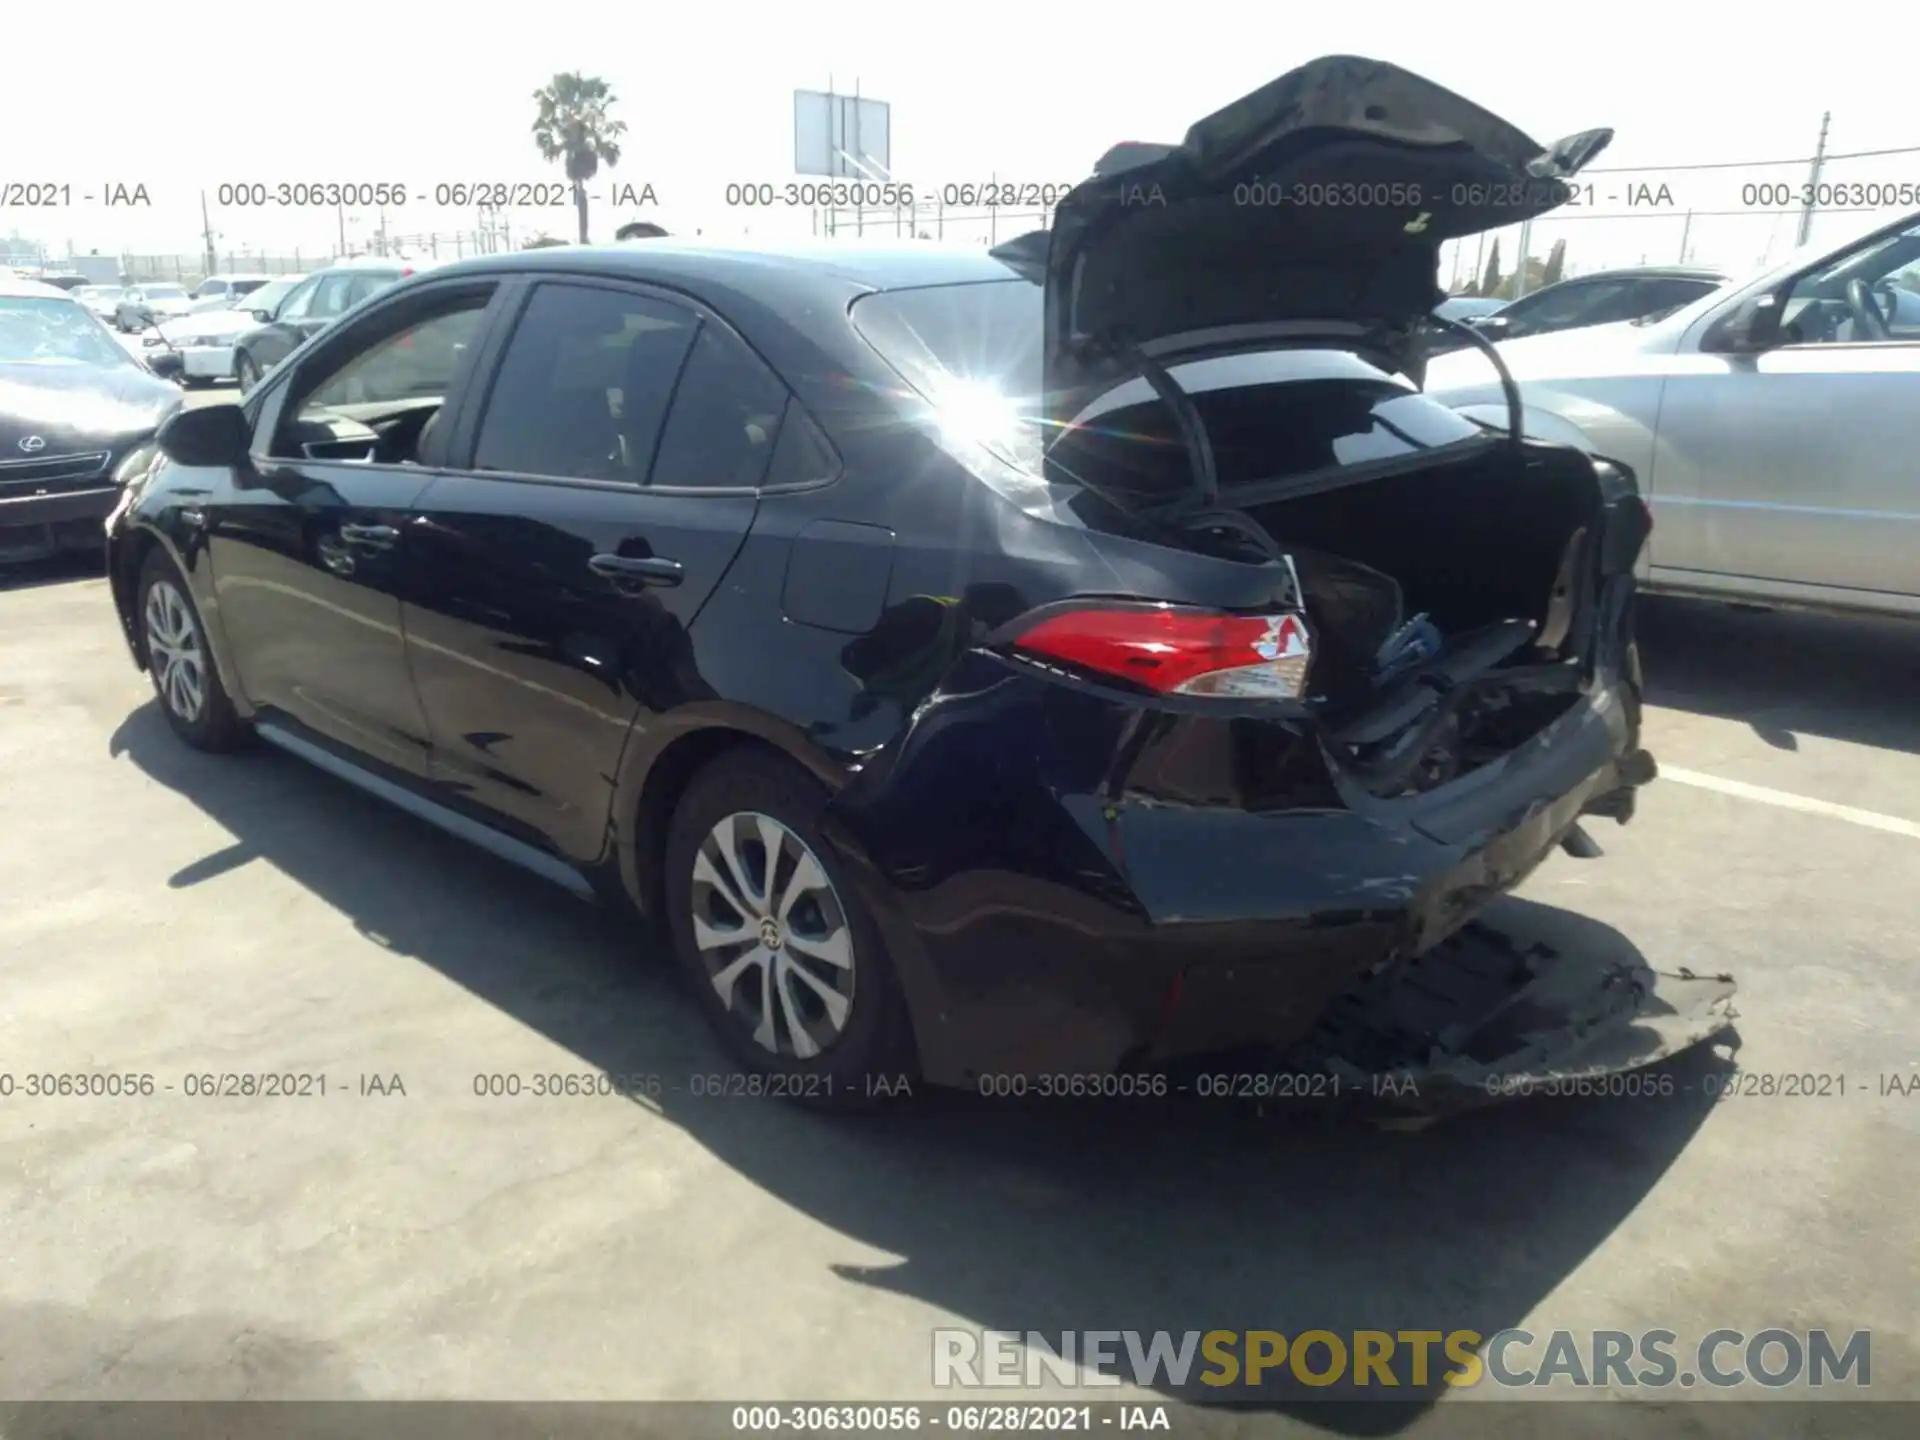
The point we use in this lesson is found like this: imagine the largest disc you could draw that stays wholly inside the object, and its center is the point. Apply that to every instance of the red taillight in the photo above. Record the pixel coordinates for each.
(406, 272)
(1173, 650)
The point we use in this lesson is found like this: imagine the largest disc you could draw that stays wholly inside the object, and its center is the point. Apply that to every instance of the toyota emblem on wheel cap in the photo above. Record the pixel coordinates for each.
(32, 443)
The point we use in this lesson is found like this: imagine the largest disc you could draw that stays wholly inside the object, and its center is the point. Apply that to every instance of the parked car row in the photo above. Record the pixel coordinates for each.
(258, 328)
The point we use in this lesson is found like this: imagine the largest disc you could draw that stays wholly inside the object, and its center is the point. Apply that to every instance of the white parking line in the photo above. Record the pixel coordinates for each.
(1872, 820)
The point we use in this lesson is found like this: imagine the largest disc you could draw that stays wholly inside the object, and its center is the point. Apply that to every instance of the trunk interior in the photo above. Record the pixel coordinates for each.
(1447, 606)
(1451, 601)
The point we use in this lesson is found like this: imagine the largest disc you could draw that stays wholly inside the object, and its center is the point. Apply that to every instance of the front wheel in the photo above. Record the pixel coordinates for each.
(246, 370)
(180, 663)
(781, 955)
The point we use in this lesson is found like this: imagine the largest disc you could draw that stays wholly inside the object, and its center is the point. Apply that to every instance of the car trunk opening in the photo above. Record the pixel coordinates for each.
(1447, 600)
(1450, 579)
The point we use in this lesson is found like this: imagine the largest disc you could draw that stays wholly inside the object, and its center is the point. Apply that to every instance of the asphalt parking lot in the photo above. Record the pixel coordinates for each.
(176, 914)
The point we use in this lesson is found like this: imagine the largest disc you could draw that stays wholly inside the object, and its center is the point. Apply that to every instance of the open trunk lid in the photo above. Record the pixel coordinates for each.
(1312, 209)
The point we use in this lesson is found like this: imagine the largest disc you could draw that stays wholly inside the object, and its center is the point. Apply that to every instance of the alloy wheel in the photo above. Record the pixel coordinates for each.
(174, 651)
(773, 935)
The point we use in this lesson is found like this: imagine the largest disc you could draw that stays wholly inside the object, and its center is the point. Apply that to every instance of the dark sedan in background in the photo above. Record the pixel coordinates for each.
(1605, 297)
(307, 309)
(1059, 660)
(74, 405)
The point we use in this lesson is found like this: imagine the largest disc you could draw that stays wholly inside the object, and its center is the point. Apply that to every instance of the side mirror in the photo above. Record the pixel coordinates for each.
(212, 435)
(1752, 326)
(265, 317)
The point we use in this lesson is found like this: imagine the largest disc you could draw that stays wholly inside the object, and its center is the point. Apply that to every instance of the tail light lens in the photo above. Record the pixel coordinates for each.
(1176, 650)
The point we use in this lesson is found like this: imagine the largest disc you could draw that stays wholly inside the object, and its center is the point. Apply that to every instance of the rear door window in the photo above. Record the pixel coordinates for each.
(369, 283)
(726, 415)
(330, 296)
(583, 388)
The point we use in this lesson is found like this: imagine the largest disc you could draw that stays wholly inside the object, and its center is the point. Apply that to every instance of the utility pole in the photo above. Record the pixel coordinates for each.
(1813, 179)
(1685, 230)
(340, 214)
(1520, 270)
(206, 234)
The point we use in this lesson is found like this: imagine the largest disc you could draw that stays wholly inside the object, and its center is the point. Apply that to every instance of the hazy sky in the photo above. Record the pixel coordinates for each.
(349, 91)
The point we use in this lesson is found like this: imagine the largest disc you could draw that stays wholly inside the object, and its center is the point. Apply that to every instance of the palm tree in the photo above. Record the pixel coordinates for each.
(574, 126)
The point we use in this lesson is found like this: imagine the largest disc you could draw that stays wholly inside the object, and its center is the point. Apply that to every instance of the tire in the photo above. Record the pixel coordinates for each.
(246, 371)
(846, 1052)
(180, 662)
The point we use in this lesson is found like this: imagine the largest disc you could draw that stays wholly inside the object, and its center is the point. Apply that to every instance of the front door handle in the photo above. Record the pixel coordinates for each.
(652, 570)
(373, 537)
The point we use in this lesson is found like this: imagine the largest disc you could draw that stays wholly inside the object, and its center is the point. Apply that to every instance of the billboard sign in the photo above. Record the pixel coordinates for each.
(843, 137)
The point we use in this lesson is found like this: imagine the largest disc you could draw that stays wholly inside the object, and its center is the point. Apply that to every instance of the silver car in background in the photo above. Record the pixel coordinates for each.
(1773, 425)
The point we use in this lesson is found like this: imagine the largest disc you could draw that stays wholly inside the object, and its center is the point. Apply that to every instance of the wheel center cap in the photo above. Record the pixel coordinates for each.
(770, 933)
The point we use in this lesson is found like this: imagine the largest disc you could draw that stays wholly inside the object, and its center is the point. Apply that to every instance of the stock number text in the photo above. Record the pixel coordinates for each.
(1861, 194)
(257, 195)
(767, 196)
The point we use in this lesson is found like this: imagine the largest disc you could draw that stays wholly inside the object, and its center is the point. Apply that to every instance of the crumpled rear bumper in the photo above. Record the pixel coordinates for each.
(1489, 1015)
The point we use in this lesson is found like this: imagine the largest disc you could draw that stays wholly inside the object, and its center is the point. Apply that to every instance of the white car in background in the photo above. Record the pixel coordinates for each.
(102, 300)
(218, 292)
(1772, 425)
(204, 340)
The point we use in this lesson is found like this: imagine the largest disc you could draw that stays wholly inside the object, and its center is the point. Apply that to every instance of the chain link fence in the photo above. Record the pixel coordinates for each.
(983, 225)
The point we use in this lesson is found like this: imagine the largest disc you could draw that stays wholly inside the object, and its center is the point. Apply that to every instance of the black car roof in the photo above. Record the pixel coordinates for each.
(756, 268)
(790, 301)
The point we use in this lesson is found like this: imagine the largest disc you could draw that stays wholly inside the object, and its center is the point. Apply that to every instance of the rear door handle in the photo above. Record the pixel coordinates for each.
(633, 570)
(373, 537)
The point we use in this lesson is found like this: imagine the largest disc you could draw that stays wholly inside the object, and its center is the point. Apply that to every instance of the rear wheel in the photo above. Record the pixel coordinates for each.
(246, 370)
(778, 950)
(180, 663)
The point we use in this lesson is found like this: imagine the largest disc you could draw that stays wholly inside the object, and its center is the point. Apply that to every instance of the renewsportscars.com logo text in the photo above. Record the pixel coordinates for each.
(1509, 1359)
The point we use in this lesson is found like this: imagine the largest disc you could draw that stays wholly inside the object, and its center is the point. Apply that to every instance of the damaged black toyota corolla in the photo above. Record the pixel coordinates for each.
(1067, 660)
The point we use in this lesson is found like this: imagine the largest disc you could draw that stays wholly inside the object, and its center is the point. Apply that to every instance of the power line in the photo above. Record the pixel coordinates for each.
(1747, 164)
(1675, 213)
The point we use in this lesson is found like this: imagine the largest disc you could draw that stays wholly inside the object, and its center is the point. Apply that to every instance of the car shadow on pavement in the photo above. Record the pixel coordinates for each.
(60, 569)
(1785, 673)
(1022, 1217)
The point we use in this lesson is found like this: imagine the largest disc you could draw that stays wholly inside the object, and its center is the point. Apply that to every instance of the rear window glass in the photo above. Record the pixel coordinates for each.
(976, 350)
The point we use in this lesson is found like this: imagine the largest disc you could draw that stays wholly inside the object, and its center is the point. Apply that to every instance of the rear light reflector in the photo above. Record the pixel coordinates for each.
(1174, 650)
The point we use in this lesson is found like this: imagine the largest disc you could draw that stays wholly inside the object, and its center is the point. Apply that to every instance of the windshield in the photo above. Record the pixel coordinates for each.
(45, 331)
(974, 351)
